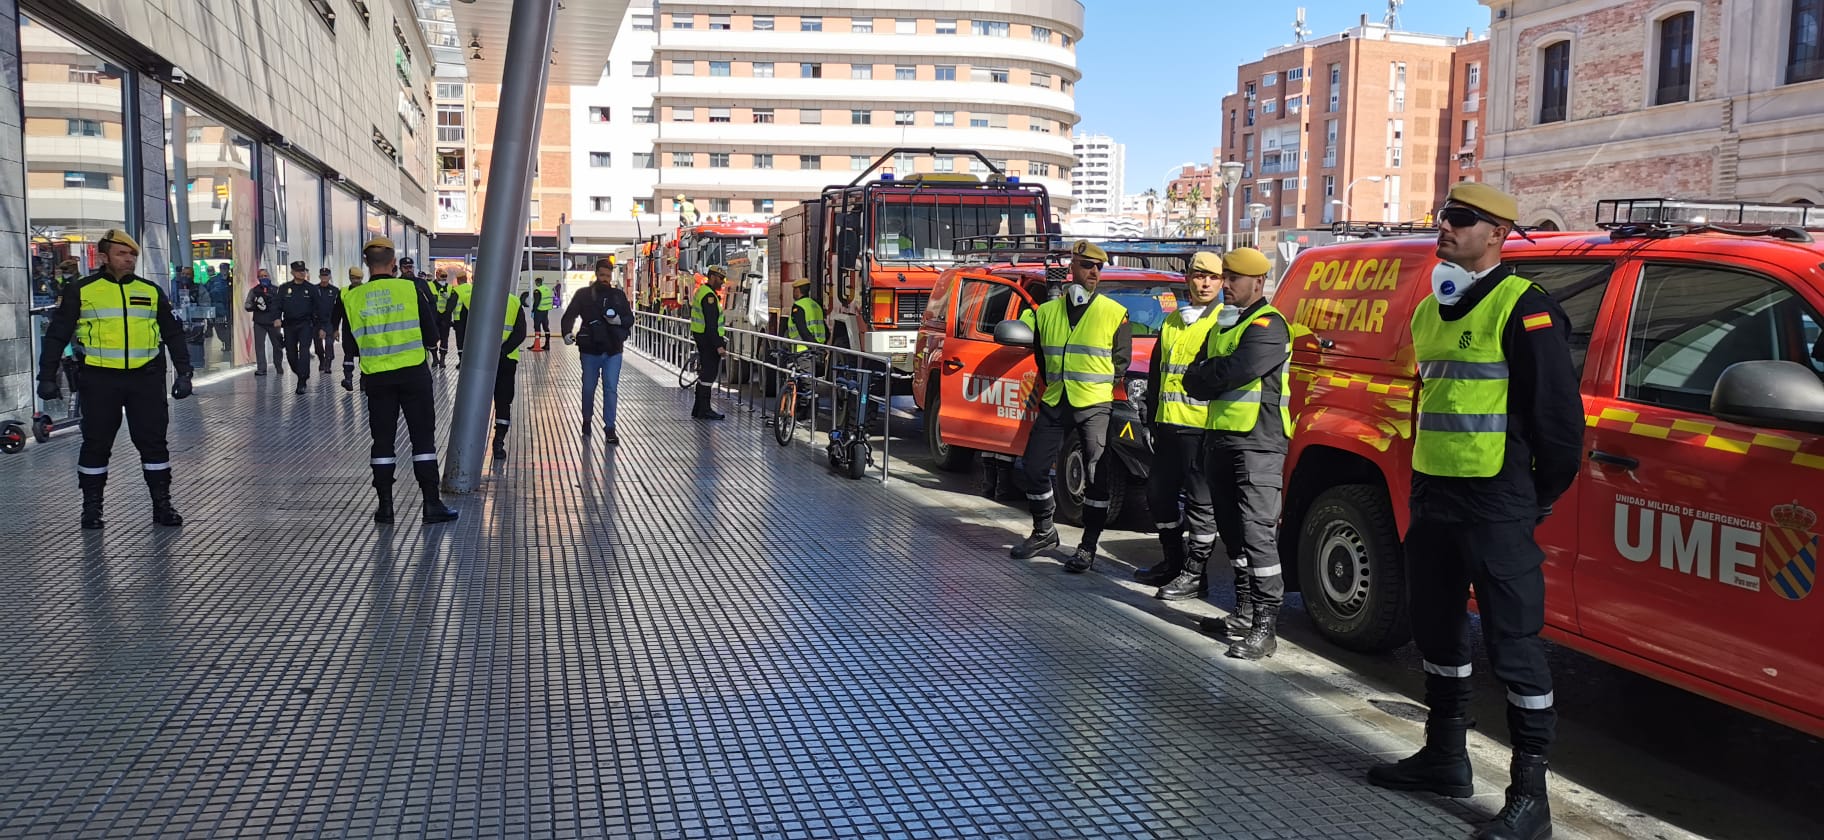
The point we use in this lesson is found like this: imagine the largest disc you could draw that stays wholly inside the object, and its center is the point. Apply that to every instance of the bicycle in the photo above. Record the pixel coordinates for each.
(849, 450)
(688, 375)
(785, 417)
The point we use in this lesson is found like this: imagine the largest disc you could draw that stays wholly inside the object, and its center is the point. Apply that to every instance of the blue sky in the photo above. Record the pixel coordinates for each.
(1155, 71)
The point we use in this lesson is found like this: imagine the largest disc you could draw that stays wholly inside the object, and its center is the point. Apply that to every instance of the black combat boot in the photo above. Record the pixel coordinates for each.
(91, 501)
(1237, 623)
(1190, 583)
(1080, 561)
(1169, 566)
(1527, 815)
(383, 510)
(1260, 642)
(1044, 535)
(159, 483)
(500, 440)
(435, 510)
(1440, 767)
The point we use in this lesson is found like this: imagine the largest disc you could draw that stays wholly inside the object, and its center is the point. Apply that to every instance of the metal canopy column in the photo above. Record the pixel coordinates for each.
(522, 100)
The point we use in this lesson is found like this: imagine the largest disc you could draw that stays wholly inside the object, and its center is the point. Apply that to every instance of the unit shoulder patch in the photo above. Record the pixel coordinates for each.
(1536, 321)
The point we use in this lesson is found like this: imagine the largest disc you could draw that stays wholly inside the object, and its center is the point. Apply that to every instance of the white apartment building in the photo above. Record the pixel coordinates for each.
(614, 128)
(1099, 179)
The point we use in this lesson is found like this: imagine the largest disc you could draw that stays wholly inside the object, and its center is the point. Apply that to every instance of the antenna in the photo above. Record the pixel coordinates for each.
(1299, 29)
(1393, 13)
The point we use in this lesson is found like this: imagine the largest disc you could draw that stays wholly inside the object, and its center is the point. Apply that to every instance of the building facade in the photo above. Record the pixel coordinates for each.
(1098, 181)
(180, 127)
(1371, 107)
(1674, 98)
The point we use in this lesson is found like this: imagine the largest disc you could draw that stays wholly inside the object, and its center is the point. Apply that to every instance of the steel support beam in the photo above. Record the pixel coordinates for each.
(522, 101)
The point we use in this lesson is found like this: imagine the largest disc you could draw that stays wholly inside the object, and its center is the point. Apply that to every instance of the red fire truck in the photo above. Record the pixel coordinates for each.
(681, 256)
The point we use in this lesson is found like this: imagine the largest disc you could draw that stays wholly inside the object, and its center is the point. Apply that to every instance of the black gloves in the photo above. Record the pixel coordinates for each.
(48, 390)
(181, 388)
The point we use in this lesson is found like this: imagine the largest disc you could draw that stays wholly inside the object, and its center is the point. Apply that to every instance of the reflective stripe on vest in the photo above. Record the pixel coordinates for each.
(544, 297)
(813, 319)
(463, 293)
(1462, 424)
(698, 319)
(1178, 346)
(1079, 362)
(507, 332)
(118, 323)
(383, 315)
(1238, 410)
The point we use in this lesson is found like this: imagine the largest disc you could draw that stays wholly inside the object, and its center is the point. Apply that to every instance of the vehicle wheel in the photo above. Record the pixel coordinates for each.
(1070, 484)
(948, 458)
(41, 428)
(858, 458)
(784, 419)
(687, 373)
(12, 439)
(1352, 570)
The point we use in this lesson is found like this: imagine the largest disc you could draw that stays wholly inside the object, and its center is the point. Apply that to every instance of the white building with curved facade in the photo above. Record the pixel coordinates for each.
(759, 108)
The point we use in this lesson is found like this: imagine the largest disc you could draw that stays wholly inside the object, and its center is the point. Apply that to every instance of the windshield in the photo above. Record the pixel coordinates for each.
(1147, 304)
(706, 251)
(928, 232)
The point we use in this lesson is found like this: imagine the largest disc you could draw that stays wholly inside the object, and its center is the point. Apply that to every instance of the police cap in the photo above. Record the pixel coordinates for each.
(718, 271)
(298, 265)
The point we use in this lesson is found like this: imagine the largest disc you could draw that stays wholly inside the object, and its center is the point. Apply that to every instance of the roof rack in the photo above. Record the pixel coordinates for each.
(1662, 218)
(1154, 253)
(1016, 248)
(1380, 230)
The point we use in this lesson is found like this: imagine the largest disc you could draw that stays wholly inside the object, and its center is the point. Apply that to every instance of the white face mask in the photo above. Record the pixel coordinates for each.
(1076, 294)
(1449, 282)
(1228, 317)
(1190, 314)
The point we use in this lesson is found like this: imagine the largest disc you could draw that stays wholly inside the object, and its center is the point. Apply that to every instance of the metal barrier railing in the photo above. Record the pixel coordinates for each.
(666, 339)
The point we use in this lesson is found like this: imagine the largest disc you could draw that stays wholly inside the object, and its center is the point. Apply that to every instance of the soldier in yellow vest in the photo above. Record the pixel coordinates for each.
(459, 311)
(122, 320)
(1248, 427)
(1083, 344)
(390, 322)
(512, 336)
(1177, 420)
(1498, 439)
(710, 330)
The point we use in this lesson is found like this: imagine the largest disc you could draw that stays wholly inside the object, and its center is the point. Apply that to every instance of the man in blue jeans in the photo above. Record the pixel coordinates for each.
(607, 319)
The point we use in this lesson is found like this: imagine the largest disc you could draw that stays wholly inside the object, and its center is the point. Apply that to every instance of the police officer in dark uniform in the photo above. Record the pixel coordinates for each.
(263, 302)
(1178, 491)
(710, 331)
(1083, 344)
(123, 320)
(298, 318)
(1245, 378)
(1498, 439)
(390, 322)
(327, 296)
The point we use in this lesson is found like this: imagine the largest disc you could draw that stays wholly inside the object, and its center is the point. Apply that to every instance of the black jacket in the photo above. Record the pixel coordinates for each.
(711, 338)
(263, 302)
(62, 327)
(591, 305)
(1265, 347)
(1544, 426)
(327, 298)
(298, 304)
(428, 327)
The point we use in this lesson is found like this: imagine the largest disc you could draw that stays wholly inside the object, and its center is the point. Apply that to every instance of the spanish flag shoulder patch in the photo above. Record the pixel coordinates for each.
(1538, 321)
(1262, 321)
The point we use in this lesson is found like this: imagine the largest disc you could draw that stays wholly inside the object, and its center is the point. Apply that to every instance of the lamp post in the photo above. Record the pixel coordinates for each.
(1348, 205)
(1231, 178)
(1336, 209)
(1255, 212)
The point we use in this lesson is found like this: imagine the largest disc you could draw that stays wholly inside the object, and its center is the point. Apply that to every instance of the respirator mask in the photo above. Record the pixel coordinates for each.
(1450, 282)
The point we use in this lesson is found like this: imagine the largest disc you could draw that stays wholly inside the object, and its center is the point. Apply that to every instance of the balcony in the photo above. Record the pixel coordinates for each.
(995, 142)
(1330, 159)
(707, 43)
(450, 135)
(452, 178)
(884, 93)
(1472, 104)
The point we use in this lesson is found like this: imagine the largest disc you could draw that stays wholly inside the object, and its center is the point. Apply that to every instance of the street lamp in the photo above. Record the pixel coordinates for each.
(1231, 178)
(1348, 205)
(1255, 212)
(1336, 209)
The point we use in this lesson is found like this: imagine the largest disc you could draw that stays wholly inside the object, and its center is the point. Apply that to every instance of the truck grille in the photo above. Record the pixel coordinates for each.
(912, 307)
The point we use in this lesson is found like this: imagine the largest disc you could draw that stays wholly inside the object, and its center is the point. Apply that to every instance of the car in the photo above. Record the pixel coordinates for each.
(1687, 549)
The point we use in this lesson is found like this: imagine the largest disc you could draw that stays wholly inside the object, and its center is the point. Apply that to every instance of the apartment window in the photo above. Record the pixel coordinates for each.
(863, 25)
(905, 73)
(861, 71)
(1250, 117)
(449, 90)
(683, 160)
(683, 21)
(647, 206)
(1041, 34)
(718, 22)
(1336, 87)
(1805, 42)
(531, 210)
(763, 115)
(642, 116)
(720, 68)
(902, 117)
(683, 68)
(683, 115)
(860, 117)
(1270, 106)
(990, 28)
(719, 205)
(1066, 41)
(946, 27)
(642, 70)
(87, 180)
(449, 124)
(1472, 77)
(598, 114)
(1041, 80)
(645, 160)
(1296, 74)
(810, 24)
(1396, 87)
(943, 163)
(1269, 80)
(718, 160)
(1554, 81)
(642, 22)
(601, 203)
(763, 69)
(810, 71)
(1294, 103)
(997, 120)
(996, 75)
(903, 164)
(978, 122)
(810, 161)
(1674, 74)
(1288, 184)
(763, 205)
(1396, 141)
(858, 163)
(1266, 188)
(763, 161)
(1329, 186)
(946, 72)
(763, 23)
(1034, 168)
(719, 115)
(601, 160)
(946, 118)
(1469, 131)
(905, 26)
(84, 128)
(810, 116)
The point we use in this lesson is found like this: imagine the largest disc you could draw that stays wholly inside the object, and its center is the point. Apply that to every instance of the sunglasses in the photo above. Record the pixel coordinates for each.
(1088, 264)
(1458, 216)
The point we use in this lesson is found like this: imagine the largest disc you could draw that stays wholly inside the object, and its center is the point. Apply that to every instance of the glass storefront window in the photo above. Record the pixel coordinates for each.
(75, 153)
(346, 233)
(376, 221)
(212, 207)
(300, 204)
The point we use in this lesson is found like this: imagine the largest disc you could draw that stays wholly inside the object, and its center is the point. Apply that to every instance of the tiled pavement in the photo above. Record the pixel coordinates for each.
(694, 635)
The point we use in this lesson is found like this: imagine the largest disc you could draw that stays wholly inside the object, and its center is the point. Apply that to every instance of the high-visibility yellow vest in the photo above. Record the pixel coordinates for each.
(544, 297)
(118, 323)
(1079, 361)
(1462, 428)
(699, 320)
(813, 319)
(1178, 347)
(383, 315)
(464, 291)
(507, 332)
(1238, 409)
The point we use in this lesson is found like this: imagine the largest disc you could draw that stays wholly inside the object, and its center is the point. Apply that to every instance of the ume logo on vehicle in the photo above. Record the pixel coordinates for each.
(1740, 552)
(1006, 396)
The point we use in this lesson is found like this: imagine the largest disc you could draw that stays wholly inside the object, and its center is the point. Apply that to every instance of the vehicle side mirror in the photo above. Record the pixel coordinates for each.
(1013, 332)
(1772, 395)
